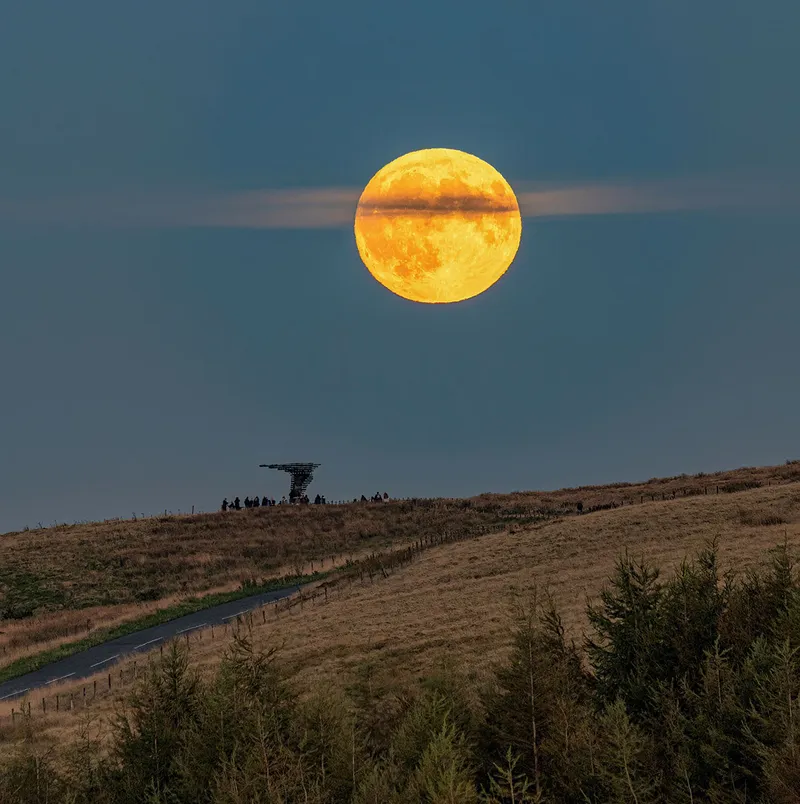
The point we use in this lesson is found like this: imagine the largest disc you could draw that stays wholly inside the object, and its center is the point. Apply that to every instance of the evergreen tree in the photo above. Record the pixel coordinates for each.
(538, 705)
(626, 651)
(149, 731)
(625, 761)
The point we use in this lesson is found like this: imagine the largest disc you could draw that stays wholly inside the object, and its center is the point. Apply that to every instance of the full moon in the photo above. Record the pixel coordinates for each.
(437, 226)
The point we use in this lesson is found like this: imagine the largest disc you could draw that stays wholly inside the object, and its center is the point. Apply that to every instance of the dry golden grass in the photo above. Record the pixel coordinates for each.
(105, 573)
(454, 601)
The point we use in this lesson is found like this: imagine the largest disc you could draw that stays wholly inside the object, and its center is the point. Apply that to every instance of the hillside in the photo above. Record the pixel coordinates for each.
(67, 582)
(453, 601)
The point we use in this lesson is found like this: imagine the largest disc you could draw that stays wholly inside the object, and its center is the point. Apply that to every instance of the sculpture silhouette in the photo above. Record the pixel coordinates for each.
(302, 475)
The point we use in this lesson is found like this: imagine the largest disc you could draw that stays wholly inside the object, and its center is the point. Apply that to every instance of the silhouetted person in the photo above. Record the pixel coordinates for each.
(363, 498)
(317, 500)
(247, 502)
(283, 500)
(225, 504)
(579, 507)
(264, 501)
(322, 499)
(237, 505)
(385, 495)
(256, 502)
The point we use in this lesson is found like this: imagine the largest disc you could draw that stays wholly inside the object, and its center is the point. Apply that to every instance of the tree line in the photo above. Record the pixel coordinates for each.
(686, 690)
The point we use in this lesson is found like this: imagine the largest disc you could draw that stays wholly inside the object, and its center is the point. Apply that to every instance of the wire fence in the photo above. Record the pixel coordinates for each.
(197, 511)
(115, 680)
(350, 571)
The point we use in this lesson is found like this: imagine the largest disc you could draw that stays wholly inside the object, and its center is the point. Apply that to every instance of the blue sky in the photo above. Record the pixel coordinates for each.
(150, 368)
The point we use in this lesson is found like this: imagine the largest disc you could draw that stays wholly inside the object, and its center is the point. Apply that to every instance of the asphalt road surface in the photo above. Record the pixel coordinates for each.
(97, 659)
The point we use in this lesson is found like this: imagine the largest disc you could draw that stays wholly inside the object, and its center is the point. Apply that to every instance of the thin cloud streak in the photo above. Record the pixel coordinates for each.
(335, 207)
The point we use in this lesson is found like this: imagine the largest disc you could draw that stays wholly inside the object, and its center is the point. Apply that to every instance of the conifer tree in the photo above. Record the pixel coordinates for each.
(625, 760)
(625, 651)
(538, 704)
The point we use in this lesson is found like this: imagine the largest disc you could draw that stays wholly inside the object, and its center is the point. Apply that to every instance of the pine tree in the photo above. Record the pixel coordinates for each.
(625, 652)
(538, 704)
(508, 786)
(773, 725)
(625, 760)
(444, 774)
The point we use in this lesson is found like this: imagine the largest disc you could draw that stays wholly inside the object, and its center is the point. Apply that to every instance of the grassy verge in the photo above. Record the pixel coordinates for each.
(27, 664)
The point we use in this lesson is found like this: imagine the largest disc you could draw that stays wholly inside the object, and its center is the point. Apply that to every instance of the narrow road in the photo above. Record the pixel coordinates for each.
(97, 659)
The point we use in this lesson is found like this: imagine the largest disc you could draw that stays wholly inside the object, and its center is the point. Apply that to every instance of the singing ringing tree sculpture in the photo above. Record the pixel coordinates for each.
(302, 475)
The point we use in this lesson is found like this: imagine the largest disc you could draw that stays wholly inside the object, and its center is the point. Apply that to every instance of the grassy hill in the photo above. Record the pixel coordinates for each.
(71, 581)
(453, 602)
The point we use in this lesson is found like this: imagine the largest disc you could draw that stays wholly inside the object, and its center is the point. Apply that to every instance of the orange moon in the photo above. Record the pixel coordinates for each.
(438, 226)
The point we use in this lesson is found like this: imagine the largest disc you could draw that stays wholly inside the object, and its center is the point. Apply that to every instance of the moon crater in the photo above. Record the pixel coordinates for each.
(438, 226)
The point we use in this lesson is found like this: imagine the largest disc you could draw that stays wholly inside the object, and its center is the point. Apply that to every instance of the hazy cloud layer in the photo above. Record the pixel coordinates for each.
(331, 207)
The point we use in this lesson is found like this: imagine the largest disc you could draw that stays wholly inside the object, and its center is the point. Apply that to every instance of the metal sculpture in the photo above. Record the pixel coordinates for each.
(302, 475)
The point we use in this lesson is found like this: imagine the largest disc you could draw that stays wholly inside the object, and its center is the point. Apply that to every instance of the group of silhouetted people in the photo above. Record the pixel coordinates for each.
(236, 505)
(255, 502)
(377, 497)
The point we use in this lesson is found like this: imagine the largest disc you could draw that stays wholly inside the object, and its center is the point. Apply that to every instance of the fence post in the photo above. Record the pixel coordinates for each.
(12, 715)
(109, 680)
(44, 706)
(57, 700)
(95, 688)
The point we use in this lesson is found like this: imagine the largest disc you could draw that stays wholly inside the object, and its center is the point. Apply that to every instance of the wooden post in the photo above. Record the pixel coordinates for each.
(58, 697)
(44, 706)
(95, 688)
(109, 680)
(263, 615)
(12, 715)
